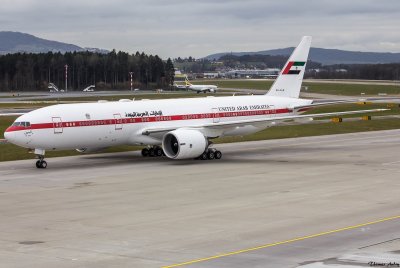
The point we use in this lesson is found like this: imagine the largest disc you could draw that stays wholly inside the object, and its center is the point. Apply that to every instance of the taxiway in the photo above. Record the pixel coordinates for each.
(245, 210)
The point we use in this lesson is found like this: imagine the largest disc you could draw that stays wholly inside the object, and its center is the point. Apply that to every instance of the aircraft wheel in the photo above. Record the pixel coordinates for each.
(151, 152)
(43, 164)
(218, 154)
(145, 152)
(211, 155)
(158, 152)
(203, 156)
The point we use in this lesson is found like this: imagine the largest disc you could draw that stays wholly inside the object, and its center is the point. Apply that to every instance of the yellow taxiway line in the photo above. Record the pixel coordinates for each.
(280, 243)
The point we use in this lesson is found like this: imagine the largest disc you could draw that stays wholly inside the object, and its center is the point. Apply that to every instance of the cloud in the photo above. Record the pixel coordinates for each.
(190, 27)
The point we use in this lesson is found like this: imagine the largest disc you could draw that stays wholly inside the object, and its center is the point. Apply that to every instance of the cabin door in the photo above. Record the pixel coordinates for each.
(57, 125)
(215, 115)
(118, 121)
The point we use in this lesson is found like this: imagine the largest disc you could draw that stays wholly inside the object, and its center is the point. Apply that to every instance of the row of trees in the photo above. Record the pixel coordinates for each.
(229, 61)
(22, 72)
(314, 69)
(358, 71)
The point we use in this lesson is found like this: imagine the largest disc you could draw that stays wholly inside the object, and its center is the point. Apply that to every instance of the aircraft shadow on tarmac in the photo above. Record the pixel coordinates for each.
(264, 156)
(260, 156)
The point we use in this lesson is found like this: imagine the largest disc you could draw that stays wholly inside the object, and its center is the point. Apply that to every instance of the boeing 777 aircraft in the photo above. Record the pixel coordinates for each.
(178, 128)
(200, 88)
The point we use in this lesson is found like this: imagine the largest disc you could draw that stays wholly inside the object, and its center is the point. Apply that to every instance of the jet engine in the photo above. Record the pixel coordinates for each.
(184, 144)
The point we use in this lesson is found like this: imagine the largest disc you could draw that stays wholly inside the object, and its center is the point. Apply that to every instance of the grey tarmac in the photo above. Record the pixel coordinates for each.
(122, 210)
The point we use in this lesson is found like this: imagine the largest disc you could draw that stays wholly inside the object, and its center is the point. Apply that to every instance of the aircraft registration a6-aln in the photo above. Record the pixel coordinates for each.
(178, 128)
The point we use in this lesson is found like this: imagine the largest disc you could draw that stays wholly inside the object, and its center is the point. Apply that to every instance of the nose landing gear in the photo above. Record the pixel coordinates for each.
(40, 154)
(41, 164)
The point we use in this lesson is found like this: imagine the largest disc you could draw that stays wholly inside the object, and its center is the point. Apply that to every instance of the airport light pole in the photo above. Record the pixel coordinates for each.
(66, 77)
(131, 74)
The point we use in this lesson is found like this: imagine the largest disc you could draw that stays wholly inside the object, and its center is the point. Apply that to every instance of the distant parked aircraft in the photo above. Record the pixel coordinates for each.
(200, 88)
(179, 86)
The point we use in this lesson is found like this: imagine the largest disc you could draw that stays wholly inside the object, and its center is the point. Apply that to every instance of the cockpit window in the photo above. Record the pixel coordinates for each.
(21, 124)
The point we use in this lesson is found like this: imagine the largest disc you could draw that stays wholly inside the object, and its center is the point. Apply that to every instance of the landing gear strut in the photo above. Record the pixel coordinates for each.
(210, 154)
(154, 151)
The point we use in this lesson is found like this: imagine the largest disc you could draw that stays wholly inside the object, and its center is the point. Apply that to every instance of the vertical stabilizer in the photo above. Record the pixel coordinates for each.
(187, 83)
(288, 83)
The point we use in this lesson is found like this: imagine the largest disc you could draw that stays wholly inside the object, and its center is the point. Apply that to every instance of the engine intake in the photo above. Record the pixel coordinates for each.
(184, 144)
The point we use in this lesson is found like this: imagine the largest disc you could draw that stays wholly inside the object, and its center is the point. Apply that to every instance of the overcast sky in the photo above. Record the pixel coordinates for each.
(172, 28)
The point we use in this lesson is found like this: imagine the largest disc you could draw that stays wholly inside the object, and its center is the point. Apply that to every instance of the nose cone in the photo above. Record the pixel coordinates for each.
(9, 135)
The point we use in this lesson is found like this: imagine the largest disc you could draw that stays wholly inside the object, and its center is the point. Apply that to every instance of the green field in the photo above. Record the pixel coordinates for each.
(351, 89)
(11, 152)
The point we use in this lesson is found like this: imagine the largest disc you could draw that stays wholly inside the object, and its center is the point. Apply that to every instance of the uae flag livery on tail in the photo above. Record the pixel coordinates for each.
(293, 67)
(288, 83)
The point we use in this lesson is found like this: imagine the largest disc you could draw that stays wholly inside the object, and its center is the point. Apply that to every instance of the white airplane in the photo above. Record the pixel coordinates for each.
(179, 86)
(178, 128)
(200, 88)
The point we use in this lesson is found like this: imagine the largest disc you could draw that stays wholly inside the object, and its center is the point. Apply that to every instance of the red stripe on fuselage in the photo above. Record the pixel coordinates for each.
(135, 120)
(15, 128)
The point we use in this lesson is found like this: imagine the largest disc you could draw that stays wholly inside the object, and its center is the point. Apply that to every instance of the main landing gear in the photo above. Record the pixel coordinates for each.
(154, 151)
(210, 154)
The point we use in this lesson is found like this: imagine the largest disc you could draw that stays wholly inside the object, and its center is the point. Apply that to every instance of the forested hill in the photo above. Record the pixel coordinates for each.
(325, 56)
(23, 72)
(14, 42)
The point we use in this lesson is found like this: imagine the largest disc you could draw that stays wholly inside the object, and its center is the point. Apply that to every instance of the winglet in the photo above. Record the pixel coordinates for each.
(288, 83)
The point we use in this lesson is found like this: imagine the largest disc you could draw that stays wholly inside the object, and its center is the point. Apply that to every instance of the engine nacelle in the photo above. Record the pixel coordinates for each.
(184, 144)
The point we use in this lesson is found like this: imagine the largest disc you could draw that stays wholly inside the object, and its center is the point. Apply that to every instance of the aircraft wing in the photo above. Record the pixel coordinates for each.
(302, 108)
(318, 103)
(249, 122)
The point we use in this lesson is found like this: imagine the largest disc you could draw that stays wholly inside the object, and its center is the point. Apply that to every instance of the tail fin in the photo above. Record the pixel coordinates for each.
(187, 83)
(288, 83)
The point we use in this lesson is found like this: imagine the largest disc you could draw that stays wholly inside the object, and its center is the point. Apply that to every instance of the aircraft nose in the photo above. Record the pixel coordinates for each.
(9, 135)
